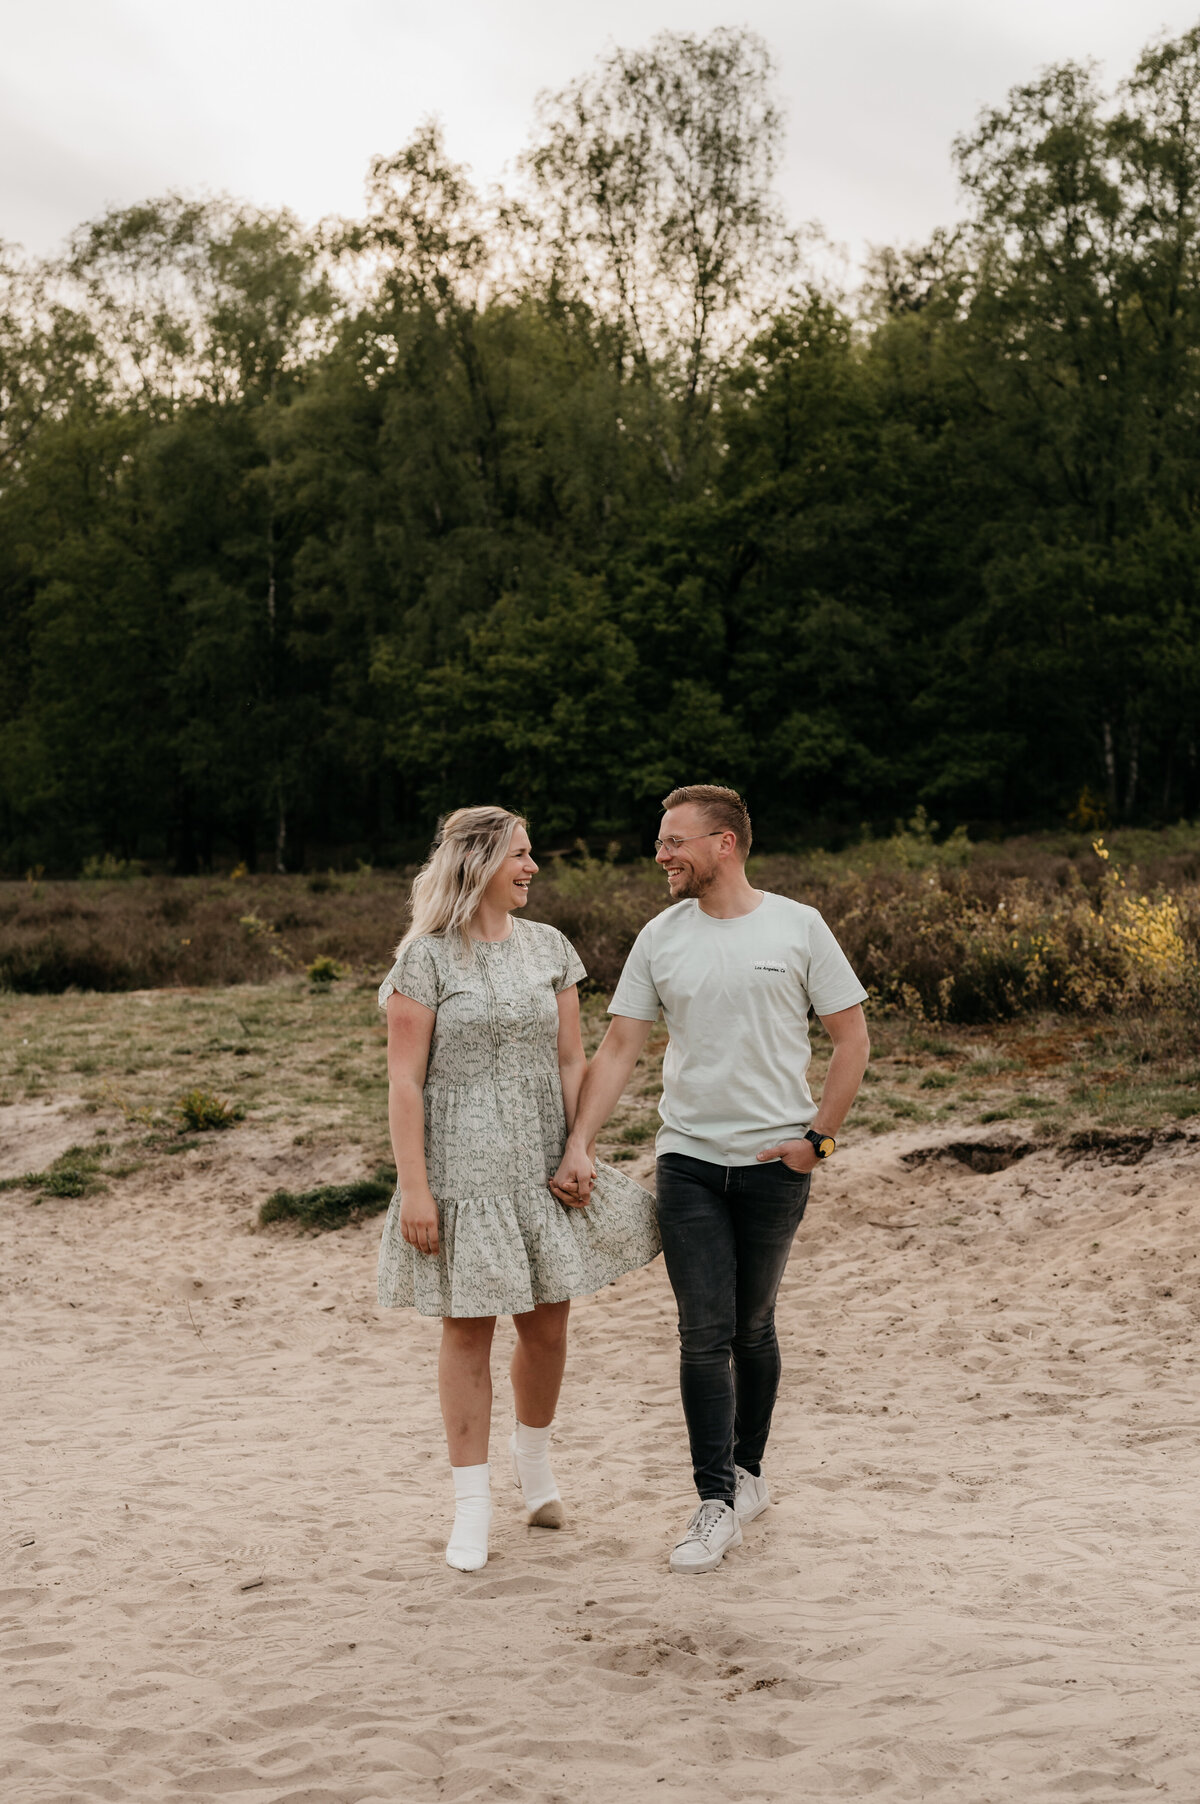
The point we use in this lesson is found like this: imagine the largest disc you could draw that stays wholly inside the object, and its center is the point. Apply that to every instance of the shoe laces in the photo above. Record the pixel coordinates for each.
(708, 1517)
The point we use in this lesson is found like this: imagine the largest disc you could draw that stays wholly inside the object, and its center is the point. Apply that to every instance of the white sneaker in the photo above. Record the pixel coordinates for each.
(712, 1531)
(751, 1497)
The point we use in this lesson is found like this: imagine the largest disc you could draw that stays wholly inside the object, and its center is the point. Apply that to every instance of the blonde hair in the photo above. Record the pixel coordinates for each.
(723, 808)
(471, 845)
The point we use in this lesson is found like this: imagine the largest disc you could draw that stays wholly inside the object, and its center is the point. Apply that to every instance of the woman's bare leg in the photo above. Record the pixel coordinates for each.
(537, 1371)
(538, 1362)
(465, 1386)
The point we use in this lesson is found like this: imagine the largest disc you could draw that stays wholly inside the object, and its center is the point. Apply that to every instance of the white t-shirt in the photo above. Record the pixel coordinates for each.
(735, 995)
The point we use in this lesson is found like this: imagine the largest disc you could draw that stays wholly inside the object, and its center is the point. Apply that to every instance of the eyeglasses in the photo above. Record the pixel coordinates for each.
(673, 844)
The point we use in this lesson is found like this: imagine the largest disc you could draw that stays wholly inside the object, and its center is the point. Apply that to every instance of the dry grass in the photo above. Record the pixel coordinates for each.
(306, 1064)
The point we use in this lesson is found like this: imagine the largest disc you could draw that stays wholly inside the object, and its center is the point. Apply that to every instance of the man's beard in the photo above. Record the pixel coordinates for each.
(694, 885)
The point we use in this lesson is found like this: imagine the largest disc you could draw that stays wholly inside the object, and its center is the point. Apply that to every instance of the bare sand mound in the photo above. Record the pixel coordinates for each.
(224, 1503)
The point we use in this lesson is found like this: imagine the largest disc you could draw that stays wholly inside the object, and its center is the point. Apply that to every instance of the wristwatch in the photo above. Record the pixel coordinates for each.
(825, 1144)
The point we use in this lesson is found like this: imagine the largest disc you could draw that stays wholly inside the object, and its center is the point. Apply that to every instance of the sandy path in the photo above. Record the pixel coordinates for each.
(979, 1581)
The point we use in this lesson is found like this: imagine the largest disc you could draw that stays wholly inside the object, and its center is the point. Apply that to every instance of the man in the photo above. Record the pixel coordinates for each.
(734, 970)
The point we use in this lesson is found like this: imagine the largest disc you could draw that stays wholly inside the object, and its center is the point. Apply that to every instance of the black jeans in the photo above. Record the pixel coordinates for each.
(726, 1233)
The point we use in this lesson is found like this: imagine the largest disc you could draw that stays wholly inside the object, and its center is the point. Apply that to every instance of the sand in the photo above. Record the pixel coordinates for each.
(224, 1504)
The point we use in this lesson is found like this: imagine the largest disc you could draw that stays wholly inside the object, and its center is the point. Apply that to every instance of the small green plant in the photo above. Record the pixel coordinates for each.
(325, 970)
(199, 1111)
(331, 1205)
(73, 1173)
(109, 869)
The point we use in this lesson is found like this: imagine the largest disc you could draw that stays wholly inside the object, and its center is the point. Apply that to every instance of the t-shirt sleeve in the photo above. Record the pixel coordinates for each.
(572, 969)
(830, 980)
(414, 975)
(635, 994)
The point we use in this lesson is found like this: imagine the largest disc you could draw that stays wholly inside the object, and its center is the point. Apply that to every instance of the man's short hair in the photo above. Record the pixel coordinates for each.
(723, 808)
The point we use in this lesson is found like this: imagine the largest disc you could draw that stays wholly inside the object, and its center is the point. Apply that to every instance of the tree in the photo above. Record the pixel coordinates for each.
(652, 178)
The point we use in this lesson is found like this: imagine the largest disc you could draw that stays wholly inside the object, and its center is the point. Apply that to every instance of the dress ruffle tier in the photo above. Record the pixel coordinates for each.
(501, 1255)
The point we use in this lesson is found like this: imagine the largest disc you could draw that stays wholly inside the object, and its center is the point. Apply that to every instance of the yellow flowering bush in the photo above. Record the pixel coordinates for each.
(944, 953)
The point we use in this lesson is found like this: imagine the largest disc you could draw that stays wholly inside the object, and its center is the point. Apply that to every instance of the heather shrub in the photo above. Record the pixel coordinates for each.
(941, 930)
(950, 949)
(601, 906)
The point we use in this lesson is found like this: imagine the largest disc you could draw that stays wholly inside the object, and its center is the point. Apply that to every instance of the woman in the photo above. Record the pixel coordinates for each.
(485, 1061)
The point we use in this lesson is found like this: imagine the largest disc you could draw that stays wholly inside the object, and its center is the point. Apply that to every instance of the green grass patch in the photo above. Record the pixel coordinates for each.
(330, 1205)
(636, 1133)
(73, 1173)
(932, 1046)
(906, 1108)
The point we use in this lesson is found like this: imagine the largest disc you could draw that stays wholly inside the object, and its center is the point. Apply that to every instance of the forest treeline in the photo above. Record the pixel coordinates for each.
(564, 496)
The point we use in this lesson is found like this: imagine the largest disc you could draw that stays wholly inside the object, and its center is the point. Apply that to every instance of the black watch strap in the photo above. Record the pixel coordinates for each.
(825, 1144)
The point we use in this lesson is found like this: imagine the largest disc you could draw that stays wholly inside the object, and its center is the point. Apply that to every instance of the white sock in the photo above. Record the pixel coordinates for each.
(468, 1545)
(531, 1448)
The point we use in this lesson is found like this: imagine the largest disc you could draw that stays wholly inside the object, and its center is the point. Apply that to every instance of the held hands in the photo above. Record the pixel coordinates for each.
(572, 1182)
(797, 1155)
(419, 1221)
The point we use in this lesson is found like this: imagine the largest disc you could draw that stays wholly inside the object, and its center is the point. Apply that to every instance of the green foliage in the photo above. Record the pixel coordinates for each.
(199, 1111)
(330, 1205)
(912, 846)
(308, 536)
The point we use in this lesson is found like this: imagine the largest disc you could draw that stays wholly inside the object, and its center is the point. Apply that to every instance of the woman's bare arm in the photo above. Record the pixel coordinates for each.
(410, 1030)
(571, 1060)
(607, 1076)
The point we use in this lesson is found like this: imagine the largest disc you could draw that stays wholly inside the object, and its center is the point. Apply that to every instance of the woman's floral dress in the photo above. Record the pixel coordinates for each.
(494, 1133)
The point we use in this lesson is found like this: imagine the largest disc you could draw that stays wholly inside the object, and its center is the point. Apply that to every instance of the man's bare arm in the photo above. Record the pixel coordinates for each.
(851, 1053)
(607, 1076)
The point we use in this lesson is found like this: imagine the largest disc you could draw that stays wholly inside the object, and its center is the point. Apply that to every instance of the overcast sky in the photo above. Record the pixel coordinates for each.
(109, 101)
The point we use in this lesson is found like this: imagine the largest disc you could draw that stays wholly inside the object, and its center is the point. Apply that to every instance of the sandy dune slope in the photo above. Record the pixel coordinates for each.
(224, 1504)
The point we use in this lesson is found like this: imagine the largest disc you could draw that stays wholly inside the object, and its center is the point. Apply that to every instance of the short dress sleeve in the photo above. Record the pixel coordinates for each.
(414, 975)
(573, 970)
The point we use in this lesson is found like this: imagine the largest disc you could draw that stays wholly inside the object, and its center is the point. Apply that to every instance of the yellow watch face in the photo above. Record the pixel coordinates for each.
(828, 1145)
